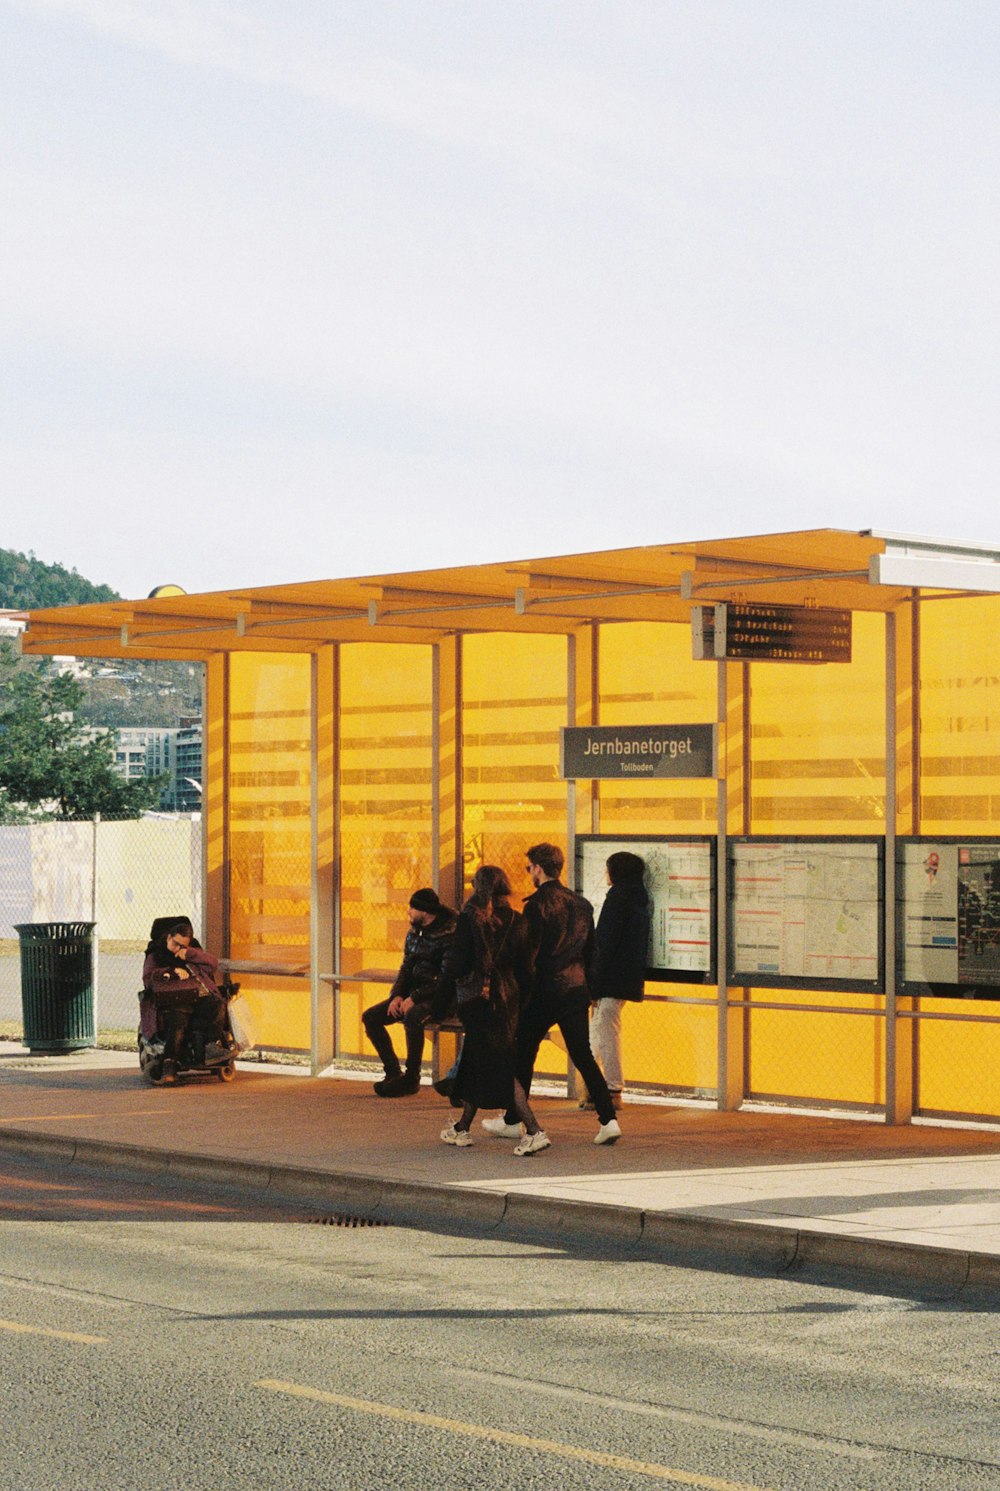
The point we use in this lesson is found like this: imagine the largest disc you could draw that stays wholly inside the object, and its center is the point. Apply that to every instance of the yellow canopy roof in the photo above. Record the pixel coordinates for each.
(656, 582)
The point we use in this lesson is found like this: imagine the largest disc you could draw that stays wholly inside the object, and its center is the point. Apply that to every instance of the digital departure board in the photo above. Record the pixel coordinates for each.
(738, 631)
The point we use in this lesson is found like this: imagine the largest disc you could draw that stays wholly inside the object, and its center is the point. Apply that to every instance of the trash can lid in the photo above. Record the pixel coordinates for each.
(48, 931)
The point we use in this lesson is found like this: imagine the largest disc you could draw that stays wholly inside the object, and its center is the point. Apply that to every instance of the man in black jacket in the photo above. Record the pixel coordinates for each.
(562, 929)
(432, 927)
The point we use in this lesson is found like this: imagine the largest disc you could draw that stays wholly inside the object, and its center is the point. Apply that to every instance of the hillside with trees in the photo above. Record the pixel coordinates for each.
(28, 584)
(139, 692)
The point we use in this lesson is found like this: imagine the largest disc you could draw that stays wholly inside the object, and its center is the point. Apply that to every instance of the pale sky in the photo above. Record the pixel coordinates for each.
(294, 290)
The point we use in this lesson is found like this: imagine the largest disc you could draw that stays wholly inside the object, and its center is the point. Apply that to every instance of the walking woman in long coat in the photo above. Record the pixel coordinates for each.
(491, 966)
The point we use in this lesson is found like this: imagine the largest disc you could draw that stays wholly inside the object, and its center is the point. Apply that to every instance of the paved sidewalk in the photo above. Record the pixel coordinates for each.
(766, 1189)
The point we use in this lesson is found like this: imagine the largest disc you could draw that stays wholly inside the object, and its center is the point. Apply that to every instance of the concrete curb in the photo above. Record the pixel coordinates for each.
(667, 1237)
(937, 1266)
(747, 1244)
(565, 1221)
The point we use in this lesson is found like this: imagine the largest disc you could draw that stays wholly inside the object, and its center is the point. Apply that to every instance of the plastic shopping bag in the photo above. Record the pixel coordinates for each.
(241, 1024)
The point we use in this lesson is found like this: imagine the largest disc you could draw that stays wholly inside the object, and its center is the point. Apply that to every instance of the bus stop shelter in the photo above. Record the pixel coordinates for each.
(836, 807)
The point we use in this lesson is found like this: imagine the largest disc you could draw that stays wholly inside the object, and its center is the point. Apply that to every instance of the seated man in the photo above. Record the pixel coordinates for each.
(413, 996)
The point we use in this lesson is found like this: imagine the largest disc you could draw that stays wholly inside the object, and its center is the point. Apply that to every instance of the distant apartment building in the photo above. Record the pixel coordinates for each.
(132, 746)
(173, 753)
(188, 766)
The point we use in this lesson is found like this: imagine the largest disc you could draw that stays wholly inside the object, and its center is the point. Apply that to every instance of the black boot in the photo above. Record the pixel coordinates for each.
(402, 1086)
(390, 1079)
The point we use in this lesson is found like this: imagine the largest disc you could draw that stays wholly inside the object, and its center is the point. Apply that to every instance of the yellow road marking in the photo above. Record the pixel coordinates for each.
(505, 1436)
(41, 1330)
(107, 1117)
(17, 1182)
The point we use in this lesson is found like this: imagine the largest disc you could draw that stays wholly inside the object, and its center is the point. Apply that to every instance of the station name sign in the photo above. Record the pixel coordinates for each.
(742, 632)
(634, 751)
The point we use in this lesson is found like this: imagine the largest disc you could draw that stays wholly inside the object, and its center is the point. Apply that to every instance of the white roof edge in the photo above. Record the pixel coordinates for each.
(919, 543)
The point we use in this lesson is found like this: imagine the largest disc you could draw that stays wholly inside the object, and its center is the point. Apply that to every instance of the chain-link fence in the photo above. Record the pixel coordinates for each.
(119, 875)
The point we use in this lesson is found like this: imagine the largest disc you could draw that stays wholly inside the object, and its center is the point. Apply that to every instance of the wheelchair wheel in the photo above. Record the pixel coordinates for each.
(226, 1072)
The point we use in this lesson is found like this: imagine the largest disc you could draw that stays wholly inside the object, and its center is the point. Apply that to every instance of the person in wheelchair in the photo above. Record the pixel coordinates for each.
(180, 978)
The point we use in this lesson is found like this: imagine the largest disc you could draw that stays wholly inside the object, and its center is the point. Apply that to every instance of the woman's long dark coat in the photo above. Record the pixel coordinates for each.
(485, 1076)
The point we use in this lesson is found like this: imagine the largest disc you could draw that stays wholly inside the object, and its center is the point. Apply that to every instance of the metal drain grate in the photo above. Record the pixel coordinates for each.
(339, 1219)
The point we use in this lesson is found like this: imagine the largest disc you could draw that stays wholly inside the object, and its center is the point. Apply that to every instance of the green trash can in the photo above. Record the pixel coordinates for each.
(57, 985)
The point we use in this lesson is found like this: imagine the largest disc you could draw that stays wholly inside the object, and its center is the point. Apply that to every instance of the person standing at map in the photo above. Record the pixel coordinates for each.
(619, 976)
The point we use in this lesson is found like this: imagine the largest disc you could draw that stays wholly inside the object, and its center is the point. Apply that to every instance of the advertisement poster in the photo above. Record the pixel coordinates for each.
(805, 911)
(951, 912)
(679, 882)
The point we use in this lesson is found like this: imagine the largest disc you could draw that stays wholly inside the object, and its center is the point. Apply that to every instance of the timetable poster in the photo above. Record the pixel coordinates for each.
(805, 912)
(951, 912)
(678, 880)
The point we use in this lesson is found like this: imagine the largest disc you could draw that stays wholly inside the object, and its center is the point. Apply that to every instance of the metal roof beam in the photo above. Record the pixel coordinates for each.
(524, 602)
(436, 598)
(142, 612)
(130, 638)
(245, 625)
(444, 608)
(690, 586)
(585, 585)
(709, 561)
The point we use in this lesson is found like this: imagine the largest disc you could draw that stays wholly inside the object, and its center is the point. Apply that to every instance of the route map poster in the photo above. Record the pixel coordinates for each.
(950, 895)
(680, 881)
(806, 913)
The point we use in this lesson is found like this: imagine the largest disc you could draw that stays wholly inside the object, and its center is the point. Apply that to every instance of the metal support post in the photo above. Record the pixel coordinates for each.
(95, 954)
(322, 951)
(731, 1035)
(899, 1033)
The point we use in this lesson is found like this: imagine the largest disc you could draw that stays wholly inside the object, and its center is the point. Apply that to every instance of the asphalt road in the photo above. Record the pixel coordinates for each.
(167, 1337)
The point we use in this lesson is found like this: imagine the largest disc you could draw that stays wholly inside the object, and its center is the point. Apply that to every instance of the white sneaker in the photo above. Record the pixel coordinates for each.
(608, 1132)
(501, 1129)
(461, 1138)
(533, 1144)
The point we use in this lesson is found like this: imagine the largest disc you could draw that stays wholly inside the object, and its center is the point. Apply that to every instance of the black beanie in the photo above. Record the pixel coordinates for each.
(425, 899)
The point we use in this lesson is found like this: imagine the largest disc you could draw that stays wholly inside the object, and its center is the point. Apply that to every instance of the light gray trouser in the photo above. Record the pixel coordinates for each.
(606, 1040)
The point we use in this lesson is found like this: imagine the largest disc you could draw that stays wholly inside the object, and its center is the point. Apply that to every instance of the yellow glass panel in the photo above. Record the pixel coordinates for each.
(281, 1010)
(959, 716)
(818, 1057)
(646, 676)
(818, 741)
(513, 705)
(959, 1063)
(669, 1046)
(385, 812)
(269, 818)
(514, 702)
